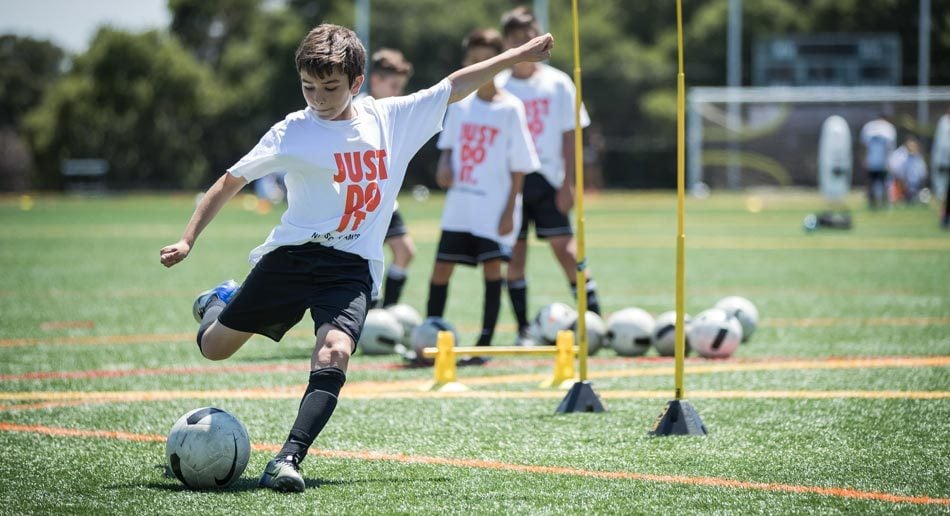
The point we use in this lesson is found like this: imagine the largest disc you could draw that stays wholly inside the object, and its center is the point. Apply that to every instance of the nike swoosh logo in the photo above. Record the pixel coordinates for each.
(227, 478)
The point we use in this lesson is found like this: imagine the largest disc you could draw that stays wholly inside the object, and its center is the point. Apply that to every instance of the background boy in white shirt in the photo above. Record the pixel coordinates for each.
(486, 150)
(548, 95)
(345, 163)
(387, 78)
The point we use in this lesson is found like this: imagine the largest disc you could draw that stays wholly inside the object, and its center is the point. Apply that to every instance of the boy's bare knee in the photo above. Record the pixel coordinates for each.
(212, 352)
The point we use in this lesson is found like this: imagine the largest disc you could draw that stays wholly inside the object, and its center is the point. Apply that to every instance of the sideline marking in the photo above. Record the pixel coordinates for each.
(384, 386)
(775, 322)
(75, 398)
(840, 492)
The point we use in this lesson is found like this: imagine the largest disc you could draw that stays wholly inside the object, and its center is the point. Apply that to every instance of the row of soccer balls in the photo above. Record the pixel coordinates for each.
(714, 333)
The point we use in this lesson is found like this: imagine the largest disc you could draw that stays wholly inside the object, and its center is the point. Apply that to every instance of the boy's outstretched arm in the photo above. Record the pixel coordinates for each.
(220, 192)
(468, 79)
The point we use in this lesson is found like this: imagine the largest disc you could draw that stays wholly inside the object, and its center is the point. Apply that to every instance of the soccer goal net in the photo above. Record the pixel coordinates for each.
(769, 136)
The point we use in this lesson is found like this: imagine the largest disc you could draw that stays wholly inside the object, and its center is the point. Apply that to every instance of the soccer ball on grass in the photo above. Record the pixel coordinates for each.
(207, 448)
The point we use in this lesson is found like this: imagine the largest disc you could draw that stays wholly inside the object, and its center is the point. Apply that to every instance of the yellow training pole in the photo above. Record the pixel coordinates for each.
(680, 348)
(579, 205)
(679, 417)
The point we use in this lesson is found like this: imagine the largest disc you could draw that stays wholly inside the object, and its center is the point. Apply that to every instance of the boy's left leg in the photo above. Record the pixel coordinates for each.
(327, 375)
(565, 250)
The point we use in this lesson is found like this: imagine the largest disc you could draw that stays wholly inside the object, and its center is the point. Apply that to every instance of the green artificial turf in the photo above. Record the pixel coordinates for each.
(87, 312)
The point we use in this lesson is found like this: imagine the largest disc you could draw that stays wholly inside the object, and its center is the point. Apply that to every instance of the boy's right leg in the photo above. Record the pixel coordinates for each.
(327, 375)
(439, 288)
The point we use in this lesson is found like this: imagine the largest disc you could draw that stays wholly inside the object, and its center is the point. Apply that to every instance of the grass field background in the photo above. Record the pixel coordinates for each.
(839, 403)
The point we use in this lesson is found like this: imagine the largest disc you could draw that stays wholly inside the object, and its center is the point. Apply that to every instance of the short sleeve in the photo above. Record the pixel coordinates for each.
(263, 159)
(521, 154)
(566, 99)
(449, 135)
(416, 118)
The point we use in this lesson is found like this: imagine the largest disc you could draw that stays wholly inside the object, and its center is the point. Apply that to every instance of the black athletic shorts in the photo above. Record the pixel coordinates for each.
(538, 205)
(335, 285)
(397, 227)
(468, 249)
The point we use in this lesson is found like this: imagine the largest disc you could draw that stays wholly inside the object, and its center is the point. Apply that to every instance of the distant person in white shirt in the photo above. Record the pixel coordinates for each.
(486, 150)
(908, 171)
(345, 163)
(548, 95)
(878, 137)
(388, 78)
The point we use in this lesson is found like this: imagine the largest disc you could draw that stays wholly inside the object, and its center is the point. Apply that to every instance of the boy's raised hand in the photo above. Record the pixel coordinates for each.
(538, 49)
(172, 254)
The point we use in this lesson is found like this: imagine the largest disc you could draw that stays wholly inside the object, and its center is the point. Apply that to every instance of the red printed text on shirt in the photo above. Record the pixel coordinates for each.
(361, 173)
(475, 140)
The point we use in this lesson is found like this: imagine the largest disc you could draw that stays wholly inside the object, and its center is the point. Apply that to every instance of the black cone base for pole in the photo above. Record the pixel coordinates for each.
(580, 398)
(678, 418)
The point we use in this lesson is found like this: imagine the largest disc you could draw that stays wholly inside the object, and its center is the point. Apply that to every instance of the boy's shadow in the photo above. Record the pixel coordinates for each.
(250, 484)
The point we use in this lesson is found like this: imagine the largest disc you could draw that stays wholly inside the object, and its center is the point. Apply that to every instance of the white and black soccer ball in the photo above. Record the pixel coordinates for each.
(426, 335)
(664, 333)
(381, 333)
(714, 334)
(630, 331)
(408, 317)
(596, 332)
(742, 309)
(207, 448)
(552, 318)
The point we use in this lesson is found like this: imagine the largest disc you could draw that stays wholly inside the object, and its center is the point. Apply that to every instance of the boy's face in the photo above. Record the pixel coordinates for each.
(387, 85)
(477, 55)
(329, 96)
(519, 37)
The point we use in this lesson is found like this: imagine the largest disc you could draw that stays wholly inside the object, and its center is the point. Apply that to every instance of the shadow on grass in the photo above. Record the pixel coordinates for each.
(249, 484)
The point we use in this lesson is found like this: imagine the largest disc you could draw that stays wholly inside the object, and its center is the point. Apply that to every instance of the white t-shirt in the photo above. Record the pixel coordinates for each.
(343, 176)
(548, 97)
(489, 141)
(879, 138)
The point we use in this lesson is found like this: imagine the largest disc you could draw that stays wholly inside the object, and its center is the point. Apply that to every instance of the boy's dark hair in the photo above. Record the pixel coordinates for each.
(517, 19)
(330, 47)
(484, 38)
(389, 61)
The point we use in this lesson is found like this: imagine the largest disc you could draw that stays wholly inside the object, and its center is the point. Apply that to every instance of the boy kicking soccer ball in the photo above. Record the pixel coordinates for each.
(486, 151)
(548, 95)
(345, 163)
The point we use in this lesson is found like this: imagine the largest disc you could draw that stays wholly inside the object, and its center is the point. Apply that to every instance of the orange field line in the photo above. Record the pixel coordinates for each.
(67, 399)
(822, 322)
(775, 322)
(840, 492)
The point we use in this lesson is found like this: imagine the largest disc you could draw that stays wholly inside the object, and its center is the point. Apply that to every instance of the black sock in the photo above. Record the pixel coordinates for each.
(436, 305)
(395, 280)
(492, 306)
(315, 410)
(592, 303)
(518, 292)
(214, 308)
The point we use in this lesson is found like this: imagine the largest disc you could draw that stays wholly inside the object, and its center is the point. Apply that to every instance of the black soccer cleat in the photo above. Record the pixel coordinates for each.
(283, 474)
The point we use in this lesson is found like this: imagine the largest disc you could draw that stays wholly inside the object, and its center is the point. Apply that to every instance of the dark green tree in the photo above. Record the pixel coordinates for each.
(139, 101)
(27, 67)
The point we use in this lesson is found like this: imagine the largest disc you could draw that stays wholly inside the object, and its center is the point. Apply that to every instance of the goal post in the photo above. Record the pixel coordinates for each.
(774, 139)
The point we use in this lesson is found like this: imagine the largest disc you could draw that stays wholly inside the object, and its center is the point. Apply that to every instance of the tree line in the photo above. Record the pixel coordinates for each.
(173, 108)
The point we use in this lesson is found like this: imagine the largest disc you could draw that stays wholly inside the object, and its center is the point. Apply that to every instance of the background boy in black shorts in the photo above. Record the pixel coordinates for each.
(486, 149)
(388, 77)
(548, 95)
